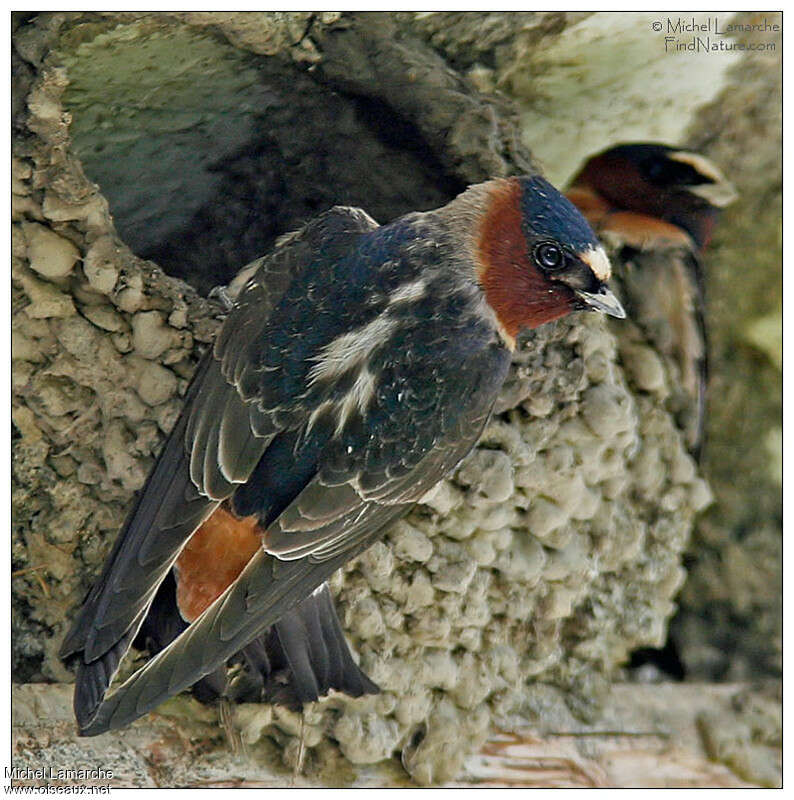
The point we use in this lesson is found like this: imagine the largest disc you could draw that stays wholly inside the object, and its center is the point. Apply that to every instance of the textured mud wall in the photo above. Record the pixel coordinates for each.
(731, 624)
(675, 735)
(552, 553)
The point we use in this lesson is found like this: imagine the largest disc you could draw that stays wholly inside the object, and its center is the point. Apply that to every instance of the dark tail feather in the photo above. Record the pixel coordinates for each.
(301, 658)
(92, 680)
(265, 591)
(309, 655)
(162, 625)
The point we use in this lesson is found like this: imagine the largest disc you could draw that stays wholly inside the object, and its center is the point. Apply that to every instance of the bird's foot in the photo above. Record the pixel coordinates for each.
(233, 735)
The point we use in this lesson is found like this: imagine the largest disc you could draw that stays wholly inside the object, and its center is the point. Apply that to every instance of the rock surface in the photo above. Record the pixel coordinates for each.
(662, 735)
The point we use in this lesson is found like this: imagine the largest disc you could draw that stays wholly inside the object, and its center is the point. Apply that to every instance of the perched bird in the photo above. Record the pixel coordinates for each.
(358, 365)
(655, 207)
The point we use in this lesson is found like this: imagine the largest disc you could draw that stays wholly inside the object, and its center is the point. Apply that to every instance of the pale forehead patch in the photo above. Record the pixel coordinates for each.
(699, 164)
(597, 260)
(361, 216)
(720, 192)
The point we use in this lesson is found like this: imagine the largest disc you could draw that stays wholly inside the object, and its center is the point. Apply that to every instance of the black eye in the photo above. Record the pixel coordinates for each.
(549, 256)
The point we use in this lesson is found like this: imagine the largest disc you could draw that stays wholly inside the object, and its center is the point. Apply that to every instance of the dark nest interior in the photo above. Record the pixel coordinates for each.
(204, 166)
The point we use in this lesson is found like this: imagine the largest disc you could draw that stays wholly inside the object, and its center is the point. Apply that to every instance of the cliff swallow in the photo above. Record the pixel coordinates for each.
(655, 207)
(358, 365)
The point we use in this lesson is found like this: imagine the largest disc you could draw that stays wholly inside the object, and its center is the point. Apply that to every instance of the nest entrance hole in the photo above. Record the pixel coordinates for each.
(207, 154)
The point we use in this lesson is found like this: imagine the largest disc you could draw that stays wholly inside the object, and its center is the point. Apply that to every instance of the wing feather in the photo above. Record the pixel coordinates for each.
(265, 590)
(224, 429)
(271, 586)
(237, 462)
(664, 295)
(344, 483)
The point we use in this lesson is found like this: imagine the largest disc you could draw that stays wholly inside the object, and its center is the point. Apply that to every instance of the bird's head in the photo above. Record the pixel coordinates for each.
(538, 257)
(667, 183)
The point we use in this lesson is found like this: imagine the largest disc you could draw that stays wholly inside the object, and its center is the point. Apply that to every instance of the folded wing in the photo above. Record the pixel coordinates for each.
(214, 447)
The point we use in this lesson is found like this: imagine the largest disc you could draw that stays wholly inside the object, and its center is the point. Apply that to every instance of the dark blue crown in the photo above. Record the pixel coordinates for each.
(548, 214)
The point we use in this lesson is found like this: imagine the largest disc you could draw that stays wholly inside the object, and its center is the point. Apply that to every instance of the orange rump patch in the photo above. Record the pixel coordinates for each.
(213, 558)
(643, 232)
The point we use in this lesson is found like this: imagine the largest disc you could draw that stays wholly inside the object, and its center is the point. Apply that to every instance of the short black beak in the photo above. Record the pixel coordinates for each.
(603, 300)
